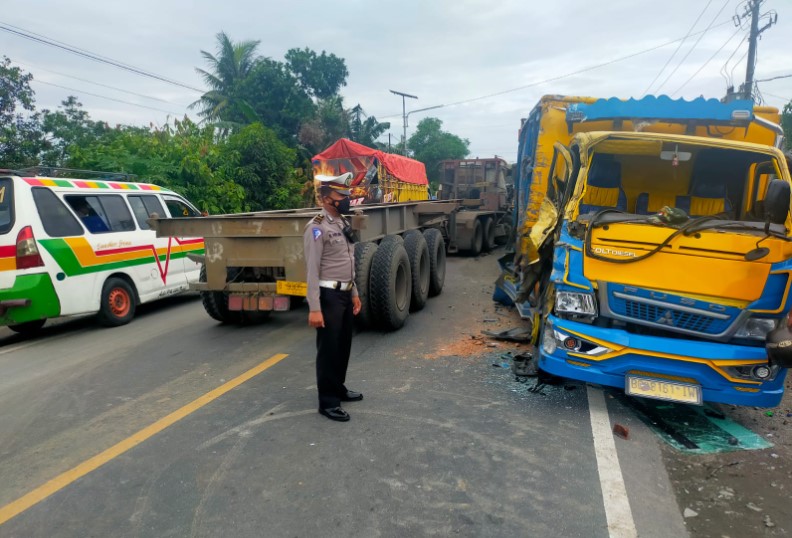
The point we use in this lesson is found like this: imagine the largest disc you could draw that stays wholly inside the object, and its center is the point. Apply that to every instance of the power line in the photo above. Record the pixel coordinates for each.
(567, 75)
(106, 97)
(92, 56)
(700, 69)
(701, 36)
(678, 47)
(774, 78)
(100, 84)
(725, 68)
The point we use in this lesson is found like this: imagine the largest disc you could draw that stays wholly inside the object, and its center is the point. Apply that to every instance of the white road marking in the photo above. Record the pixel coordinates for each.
(614, 493)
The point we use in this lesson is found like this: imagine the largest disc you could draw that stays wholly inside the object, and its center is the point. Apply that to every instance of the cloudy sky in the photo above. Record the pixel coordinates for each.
(487, 61)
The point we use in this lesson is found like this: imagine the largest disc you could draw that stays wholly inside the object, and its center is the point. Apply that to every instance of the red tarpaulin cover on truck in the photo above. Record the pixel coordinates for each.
(360, 157)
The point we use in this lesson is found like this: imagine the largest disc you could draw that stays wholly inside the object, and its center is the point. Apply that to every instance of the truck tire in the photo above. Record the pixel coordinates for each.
(28, 327)
(399, 239)
(390, 285)
(364, 255)
(117, 303)
(216, 303)
(477, 243)
(489, 234)
(437, 260)
(418, 252)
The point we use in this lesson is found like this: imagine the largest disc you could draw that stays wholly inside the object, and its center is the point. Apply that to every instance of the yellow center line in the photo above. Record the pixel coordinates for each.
(34, 497)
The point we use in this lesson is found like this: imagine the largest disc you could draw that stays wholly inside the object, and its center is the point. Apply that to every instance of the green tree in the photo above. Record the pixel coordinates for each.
(67, 128)
(277, 99)
(257, 160)
(228, 69)
(319, 75)
(21, 138)
(330, 122)
(365, 131)
(430, 145)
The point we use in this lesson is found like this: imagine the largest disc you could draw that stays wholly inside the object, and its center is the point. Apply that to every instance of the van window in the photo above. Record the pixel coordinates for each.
(177, 208)
(55, 218)
(6, 205)
(143, 207)
(102, 213)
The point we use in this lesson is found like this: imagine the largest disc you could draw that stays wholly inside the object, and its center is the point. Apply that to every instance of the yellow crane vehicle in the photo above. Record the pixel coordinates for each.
(655, 252)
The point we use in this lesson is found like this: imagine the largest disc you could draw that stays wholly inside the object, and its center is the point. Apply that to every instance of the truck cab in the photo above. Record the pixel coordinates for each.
(662, 263)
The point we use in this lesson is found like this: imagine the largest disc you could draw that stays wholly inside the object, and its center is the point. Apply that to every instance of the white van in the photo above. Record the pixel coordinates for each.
(77, 246)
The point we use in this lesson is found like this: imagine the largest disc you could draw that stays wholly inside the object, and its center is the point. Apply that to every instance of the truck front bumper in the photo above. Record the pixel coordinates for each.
(611, 354)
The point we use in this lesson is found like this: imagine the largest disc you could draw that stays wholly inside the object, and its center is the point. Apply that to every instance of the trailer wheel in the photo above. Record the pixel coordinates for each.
(216, 303)
(117, 304)
(418, 252)
(489, 234)
(364, 255)
(391, 285)
(437, 260)
(478, 240)
(399, 239)
(28, 327)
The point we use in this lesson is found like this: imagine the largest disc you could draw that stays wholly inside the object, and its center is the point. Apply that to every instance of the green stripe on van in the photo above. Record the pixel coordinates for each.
(66, 259)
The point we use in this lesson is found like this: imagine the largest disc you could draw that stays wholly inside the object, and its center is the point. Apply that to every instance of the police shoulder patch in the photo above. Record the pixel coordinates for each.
(317, 233)
(318, 219)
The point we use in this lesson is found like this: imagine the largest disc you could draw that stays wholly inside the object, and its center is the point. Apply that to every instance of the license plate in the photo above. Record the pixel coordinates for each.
(663, 390)
(284, 287)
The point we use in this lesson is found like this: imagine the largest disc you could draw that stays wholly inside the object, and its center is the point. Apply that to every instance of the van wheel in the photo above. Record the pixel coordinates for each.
(437, 260)
(216, 303)
(418, 252)
(117, 305)
(364, 255)
(29, 327)
(391, 285)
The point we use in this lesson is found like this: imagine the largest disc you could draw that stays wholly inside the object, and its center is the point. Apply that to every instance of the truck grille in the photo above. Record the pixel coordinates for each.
(639, 306)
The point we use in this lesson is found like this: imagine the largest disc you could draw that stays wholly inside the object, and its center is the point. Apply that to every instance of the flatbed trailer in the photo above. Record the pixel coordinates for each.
(253, 262)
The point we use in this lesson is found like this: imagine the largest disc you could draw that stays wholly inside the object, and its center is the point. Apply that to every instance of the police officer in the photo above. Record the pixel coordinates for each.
(332, 296)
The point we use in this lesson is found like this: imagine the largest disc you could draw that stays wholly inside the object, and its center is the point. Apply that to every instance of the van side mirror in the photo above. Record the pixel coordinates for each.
(777, 201)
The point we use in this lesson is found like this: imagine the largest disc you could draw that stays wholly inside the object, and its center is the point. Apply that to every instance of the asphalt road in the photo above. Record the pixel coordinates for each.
(136, 431)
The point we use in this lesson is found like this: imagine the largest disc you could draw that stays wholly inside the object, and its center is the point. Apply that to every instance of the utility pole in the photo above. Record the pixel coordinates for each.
(752, 10)
(404, 115)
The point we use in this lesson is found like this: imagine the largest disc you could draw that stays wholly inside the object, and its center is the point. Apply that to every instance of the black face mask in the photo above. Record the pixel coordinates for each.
(342, 205)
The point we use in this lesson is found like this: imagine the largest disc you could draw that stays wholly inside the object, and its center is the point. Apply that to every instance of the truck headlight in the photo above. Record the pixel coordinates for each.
(756, 328)
(580, 304)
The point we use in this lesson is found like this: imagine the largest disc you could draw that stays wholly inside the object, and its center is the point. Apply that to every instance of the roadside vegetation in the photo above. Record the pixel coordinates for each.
(249, 149)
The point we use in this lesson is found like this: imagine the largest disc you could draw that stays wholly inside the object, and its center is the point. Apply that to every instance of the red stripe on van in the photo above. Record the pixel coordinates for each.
(109, 251)
(8, 251)
(33, 181)
(82, 184)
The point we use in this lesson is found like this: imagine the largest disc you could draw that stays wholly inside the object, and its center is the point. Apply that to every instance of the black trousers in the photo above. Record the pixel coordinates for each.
(333, 344)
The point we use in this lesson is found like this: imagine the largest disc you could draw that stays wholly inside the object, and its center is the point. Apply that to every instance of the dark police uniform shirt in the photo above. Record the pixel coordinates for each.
(328, 255)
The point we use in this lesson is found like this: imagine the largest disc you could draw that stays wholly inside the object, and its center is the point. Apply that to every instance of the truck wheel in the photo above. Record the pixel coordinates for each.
(117, 304)
(418, 252)
(364, 255)
(489, 234)
(391, 285)
(399, 239)
(216, 303)
(29, 327)
(437, 260)
(478, 240)
(506, 237)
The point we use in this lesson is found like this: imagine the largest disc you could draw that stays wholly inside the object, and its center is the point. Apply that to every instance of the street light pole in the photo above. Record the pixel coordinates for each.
(404, 115)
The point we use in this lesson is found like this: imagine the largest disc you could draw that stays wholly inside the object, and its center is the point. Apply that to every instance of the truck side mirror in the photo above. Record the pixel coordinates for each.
(777, 201)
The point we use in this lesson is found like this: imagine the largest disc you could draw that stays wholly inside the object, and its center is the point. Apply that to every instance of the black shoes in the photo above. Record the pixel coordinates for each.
(335, 413)
(351, 396)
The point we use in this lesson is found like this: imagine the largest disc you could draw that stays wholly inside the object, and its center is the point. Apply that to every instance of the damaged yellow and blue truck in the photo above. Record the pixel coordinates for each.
(653, 251)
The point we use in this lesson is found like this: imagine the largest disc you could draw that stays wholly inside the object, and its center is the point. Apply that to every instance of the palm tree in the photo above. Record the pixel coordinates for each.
(227, 70)
(365, 131)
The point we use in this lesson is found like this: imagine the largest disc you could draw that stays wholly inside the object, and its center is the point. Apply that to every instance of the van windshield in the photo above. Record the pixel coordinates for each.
(6, 205)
